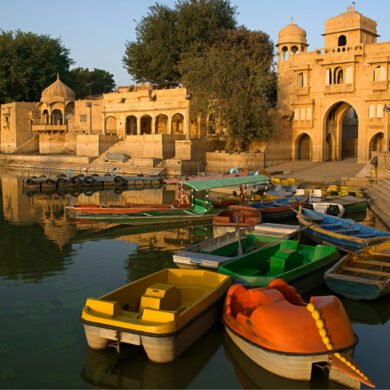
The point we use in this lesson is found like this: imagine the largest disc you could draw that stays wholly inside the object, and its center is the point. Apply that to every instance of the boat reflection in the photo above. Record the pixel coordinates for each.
(252, 376)
(372, 312)
(131, 369)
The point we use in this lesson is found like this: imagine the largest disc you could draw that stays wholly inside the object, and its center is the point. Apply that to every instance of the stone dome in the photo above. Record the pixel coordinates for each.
(58, 91)
(292, 33)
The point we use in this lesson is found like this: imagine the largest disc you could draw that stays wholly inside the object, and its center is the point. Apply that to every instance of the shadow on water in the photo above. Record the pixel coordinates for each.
(131, 369)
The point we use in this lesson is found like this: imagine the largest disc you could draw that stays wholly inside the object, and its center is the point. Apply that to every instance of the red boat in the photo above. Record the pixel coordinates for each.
(241, 216)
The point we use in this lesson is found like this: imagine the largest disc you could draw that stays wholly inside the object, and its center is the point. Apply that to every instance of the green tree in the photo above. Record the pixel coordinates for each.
(235, 80)
(165, 34)
(85, 82)
(28, 62)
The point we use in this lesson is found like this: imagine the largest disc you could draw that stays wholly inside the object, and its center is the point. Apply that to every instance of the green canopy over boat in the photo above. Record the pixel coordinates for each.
(203, 185)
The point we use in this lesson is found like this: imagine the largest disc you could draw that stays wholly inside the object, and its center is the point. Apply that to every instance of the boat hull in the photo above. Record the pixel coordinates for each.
(342, 233)
(164, 312)
(149, 218)
(159, 349)
(356, 290)
(362, 275)
(253, 271)
(291, 366)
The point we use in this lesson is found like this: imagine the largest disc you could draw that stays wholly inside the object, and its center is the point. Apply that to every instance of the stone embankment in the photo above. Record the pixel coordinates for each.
(379, 195)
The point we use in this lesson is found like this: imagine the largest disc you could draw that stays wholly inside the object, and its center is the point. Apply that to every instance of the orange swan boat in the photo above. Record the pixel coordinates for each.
(280, 332)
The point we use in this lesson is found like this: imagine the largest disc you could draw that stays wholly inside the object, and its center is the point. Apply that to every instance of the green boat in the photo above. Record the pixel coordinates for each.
(218, 250)
(287, 260)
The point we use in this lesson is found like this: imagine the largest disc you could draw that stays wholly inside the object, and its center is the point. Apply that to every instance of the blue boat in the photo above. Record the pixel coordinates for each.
(342, 233)
(279, 209)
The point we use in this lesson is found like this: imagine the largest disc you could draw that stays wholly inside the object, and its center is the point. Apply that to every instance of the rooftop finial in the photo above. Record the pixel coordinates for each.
(292, 19)
(58, 76)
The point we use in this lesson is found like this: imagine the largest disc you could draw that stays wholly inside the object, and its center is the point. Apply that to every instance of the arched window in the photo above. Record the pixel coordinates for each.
(338, 76)
(342, 41)
(328, 76)
(294, 49)
(285, 53)
(111, 125)
(379, 73)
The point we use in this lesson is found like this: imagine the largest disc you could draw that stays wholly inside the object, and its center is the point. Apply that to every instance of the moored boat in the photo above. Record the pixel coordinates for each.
(165, 312)
(327, 208)
(285, 259)
(351, 204)
(364, 274)
(213, 252)
(275, 328)
(242, 216)
(342, 233)
(279, 209)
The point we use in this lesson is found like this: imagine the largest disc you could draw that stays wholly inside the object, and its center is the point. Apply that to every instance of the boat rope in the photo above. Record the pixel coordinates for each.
(320, 323)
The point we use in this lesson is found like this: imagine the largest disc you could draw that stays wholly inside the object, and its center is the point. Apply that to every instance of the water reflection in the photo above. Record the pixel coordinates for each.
(131, 369)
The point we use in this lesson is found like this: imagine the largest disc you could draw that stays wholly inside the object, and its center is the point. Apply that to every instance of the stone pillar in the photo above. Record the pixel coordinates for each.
(153, 125)
(186, 123)
(169, 125)
(138, 125)
(386, 110)
(103, 123)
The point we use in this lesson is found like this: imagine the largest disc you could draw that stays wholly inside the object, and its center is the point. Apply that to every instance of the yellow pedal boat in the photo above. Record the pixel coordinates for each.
(165, 312)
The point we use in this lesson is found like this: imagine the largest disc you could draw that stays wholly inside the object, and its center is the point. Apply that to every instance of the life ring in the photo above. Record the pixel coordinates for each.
(61, 181)
(75, 180)
(50, 182)
(89, 180)
(119, 180)
(30, 182)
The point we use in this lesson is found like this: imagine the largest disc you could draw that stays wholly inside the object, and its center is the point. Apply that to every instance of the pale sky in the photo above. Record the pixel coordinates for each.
(96, 31)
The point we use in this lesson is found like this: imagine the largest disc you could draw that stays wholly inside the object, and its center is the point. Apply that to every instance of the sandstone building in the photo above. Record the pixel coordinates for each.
(338, 96)
(332, 104)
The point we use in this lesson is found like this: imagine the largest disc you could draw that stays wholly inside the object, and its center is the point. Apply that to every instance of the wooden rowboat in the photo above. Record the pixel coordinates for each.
(279, 209)
(342, 233)
(364, 274)
(165, 312)
(275, 328)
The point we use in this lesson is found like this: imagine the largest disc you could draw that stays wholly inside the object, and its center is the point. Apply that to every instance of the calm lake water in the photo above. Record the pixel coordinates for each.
(48, 267)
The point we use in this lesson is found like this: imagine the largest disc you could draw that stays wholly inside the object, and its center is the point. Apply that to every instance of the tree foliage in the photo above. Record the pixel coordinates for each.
(27, 63)
(85, 82)
(165, 34)
(234, 79)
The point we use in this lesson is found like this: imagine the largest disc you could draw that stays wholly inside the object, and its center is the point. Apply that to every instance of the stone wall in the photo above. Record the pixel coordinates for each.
(15, 127)
(161, 146)
(51, 143)
(220, 162)
(93, 145)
